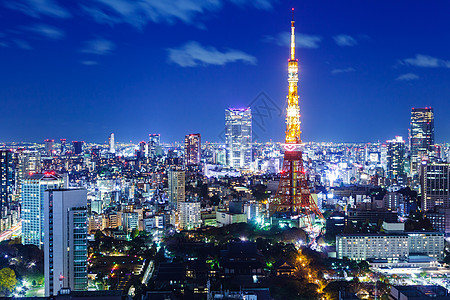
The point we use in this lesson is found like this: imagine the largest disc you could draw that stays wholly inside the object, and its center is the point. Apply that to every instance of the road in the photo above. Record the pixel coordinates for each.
(14, 231)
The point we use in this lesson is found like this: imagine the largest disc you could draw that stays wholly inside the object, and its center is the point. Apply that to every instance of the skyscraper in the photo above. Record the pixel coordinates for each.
(238, 135)
(435, 185)
(63, 147)
(177, 182)
(65, 236)
(143, 150)
(49, 146)
(192, 149)
(77, 147)
(421, 135)
(7, 184)
(396, 160)
(112, 146)
(154, 145)
(33, 188)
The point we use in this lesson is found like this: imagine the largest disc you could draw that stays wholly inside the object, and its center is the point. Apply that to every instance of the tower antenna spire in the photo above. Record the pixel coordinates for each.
(292, 36)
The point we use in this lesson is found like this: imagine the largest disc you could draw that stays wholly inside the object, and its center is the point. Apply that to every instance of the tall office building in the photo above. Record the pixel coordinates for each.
(28, 162)
(435, 185)
(7, 186)
(421, 135)
(238, 135)
(65, 236)
(63, 149)
(33, 188)
(112, 146)
(143, 150)
(177, 182)
(395, 157)
(77, 147)
(154, 145)
(192, 149)
(49, 146)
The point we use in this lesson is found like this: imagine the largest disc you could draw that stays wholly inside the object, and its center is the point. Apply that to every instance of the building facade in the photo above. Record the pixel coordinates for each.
(238, 136)
(192, 149)
(33, 188)
(395, 158)
(177, 187)
(372, 246)
(65, 236)
(421, 135)
(189, 215)
(435, 185)
(7, 187)
(111, 142)
(391, 247)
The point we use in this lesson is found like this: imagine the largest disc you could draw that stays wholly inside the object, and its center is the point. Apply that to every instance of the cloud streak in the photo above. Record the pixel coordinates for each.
(99, 46)
(344, 40)
(407, 77)
(426, 61)
(346, 70)
(38, 8)
(139, 12)
(47, 31)
(193, 54)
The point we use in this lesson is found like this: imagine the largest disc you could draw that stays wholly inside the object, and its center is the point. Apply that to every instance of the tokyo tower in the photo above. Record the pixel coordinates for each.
(293, 195)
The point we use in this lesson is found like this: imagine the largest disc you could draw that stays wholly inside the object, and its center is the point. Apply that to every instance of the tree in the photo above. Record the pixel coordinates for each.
(134, 233)
(7, 281)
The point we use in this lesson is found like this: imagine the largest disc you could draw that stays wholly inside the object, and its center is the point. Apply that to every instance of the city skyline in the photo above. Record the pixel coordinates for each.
(125, 59)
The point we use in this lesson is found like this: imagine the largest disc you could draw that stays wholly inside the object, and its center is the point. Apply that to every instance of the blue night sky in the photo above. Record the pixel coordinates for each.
(82, 69)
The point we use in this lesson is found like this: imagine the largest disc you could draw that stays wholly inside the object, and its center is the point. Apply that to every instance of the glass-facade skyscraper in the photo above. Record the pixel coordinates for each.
(421, 135)
(33, 188)
(192, 149)
(7, 184)
(435, 185)
(238, 135)
(395, 158)
(65, 236)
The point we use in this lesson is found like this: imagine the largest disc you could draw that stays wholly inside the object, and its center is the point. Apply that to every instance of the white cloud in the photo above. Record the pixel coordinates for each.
(100, 16)
(193, 54)
(345, 40)
(139, 12)
(426, 61)
(407, 77)
(301, 40)
(38, 8)
(346, 70)
(99, 46)
(47, 31)
(22, 44)
(89, 62)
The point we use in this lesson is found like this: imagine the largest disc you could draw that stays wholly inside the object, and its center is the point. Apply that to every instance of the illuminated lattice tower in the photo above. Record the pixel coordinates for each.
(293, 195)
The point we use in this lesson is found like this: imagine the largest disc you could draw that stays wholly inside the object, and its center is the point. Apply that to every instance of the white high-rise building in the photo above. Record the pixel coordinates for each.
(33, 188)
(177, 192)
(189, 215)
(238, 135)
(65, 247)
(112, 147)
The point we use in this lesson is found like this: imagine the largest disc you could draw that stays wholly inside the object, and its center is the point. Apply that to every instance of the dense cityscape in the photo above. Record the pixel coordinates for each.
(230, 219)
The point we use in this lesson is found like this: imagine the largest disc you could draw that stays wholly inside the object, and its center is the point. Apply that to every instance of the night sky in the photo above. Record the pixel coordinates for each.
(83, 69)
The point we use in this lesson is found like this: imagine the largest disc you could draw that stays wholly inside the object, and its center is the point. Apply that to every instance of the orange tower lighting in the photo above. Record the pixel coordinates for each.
(293, 194)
